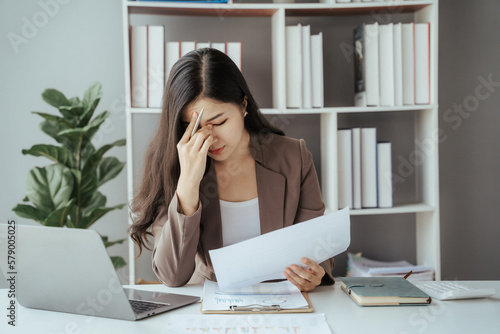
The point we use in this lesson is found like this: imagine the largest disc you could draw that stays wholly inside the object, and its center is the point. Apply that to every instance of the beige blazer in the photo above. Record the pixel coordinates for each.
(288, 192)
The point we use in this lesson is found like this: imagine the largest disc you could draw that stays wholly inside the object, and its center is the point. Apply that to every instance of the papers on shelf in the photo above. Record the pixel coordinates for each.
(359, 266)
(262, 324)
(284, 294)
(267, 256)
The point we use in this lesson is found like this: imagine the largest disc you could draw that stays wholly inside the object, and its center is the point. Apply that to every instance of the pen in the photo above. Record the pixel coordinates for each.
(197, 122)
(408, 275)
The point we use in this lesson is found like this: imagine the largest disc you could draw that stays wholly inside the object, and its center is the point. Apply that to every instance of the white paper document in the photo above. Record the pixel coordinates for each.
(284, 294)
(266, 257)
(239, 324)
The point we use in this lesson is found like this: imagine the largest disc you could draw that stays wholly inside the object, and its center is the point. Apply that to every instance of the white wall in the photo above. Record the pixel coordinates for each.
(75, 43)
(82, 43)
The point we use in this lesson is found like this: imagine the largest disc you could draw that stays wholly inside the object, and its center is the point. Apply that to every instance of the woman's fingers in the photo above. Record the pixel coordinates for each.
(189, 129)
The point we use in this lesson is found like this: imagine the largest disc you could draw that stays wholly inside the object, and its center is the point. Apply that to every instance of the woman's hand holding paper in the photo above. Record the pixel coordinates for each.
(305, 279)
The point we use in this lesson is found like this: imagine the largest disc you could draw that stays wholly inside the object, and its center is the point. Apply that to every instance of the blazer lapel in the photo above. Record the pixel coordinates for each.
(211, 225)
(271, 188)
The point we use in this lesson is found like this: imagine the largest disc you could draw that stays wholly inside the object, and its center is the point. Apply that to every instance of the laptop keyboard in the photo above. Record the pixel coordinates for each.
(140, 306)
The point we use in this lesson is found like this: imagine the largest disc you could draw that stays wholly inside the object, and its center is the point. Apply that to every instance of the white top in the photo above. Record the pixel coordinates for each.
(240, 220)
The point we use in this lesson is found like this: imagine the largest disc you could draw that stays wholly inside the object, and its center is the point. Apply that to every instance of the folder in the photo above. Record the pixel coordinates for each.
(277, 297)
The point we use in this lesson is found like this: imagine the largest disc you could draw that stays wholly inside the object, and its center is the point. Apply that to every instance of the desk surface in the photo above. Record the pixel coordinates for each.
(342, 314)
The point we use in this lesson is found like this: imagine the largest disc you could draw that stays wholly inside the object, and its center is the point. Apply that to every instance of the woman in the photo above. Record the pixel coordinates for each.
(237, 177)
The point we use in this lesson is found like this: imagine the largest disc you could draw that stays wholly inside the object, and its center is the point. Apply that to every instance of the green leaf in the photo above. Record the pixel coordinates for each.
(77, 139)
(108, 169)
(75, 101)
(54, 98)
(91, 99)
(87, 221)
(71, 112)
(97, 200)
(52, 118)
(49, 188)
(59, 217)
(54, 153)
(85, 187)
(96, 157)
(111, 243)
(118, 262)
(30, 212)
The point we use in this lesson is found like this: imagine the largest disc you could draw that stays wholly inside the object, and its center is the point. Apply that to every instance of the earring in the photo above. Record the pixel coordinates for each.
(245, 113)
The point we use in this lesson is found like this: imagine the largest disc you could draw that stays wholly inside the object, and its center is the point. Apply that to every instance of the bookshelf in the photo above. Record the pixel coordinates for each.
(262, 30)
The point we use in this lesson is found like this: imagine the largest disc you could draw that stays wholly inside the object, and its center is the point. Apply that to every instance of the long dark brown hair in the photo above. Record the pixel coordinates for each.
(204, 73)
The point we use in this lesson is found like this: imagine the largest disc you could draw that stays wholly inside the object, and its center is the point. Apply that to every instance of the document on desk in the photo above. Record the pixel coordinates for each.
(266, 257)
(284, 294)
(235, 324)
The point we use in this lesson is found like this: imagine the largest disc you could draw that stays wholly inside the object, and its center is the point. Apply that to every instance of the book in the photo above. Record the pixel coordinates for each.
(370, 34)
(386, 64)
(356, 168)
(344, 149)
(384, 174)
(383, 291)
(233, 50)
(294, 66)
(359, 67)
(187, 46)
(398, 65)
(408, 64)
(306, 67)
(156, 65)
(422, 63)
(219, 46)
(172, 55)
(139, 67)
(369, 167)
(318, 99)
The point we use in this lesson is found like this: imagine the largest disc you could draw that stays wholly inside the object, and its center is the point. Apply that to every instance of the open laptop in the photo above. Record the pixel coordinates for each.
(69, 270)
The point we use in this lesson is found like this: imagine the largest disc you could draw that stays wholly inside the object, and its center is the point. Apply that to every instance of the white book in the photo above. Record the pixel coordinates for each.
(371, 64)
(408, 64)
(344, 170)
(219, 46)
(138, 64)
(398, 65)
(306, 66)
(422, 64)
(233, 50)
(318, 100)
(187, 46)
(294, 66)
(384, 174)
(172, 55)
(202, 45)
(156, 65)
(386, 64)
(343, 1)
(356, 168)
(369, 167)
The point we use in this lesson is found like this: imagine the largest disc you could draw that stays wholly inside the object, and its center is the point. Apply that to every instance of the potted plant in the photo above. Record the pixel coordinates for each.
(66, 193)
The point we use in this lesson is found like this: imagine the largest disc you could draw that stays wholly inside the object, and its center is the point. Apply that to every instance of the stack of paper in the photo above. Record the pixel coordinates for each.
(358, 266)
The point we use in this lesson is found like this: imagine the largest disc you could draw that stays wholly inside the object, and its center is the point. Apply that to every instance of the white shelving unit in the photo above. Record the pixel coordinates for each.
(426, 206)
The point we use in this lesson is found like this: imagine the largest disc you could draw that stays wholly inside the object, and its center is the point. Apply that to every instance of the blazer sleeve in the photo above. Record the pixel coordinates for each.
(310, 202)
(176, 238)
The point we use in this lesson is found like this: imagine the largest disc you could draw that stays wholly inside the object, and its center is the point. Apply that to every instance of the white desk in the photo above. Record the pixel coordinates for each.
(342, 314)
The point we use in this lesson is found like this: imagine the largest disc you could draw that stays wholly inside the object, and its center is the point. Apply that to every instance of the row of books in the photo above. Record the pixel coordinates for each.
(304, 67)
(364, 169)
(392, 64)
(152, 58)
(359, 266)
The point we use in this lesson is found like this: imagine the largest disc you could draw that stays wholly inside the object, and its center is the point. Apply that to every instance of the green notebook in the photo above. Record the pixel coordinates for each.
(381, 291)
